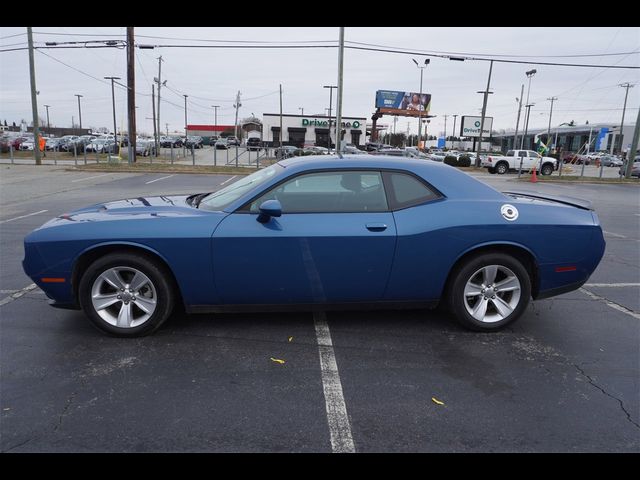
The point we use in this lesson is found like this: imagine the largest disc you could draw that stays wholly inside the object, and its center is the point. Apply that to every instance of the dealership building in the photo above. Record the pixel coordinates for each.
(299, 130)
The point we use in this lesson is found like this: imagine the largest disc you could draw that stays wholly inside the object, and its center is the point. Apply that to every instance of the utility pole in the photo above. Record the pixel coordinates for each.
(526, 125)
(553, 99)
(330, 87)
(167, 125)
(79, 109)
(484, 111)
(455, 117)
(237, 106)
(519, 100)
(131, 93)
(634, 147)
(339, 101)
(156, 134)
(445, 130)
(48, 124)
(185, 125)
(34, 98)
(159, 87)
(113, 100)
(624, 109)
(280, 135)
(215, 115)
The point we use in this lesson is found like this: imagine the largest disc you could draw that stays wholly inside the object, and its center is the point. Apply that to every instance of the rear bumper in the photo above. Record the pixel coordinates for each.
(560, 290)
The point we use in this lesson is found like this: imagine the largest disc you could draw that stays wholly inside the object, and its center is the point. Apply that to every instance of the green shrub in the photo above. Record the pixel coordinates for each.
(451, 160)
(464, 161)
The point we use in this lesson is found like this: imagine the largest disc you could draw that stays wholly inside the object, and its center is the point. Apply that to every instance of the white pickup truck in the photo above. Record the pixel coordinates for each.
(511, 161)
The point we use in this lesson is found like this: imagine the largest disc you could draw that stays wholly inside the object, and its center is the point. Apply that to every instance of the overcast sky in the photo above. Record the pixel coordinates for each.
(213, 76)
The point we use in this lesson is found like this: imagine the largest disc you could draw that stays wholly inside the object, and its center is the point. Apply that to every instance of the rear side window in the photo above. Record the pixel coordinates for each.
(510, 153)
(406, 190)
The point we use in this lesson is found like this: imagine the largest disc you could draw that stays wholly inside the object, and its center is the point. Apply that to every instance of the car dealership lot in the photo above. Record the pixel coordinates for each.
(563, 378)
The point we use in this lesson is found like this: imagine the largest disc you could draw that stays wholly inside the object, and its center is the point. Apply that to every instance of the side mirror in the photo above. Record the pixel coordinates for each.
(268, 209)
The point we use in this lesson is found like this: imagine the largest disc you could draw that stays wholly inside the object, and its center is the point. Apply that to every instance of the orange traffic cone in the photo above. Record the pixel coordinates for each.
(534, 177)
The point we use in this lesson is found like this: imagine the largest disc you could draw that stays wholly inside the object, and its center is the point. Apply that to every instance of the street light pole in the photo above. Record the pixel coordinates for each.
(215, 117)
(48, 124)
(526, 124)
(529, 75)
(330, 87)
(113, 101)
(624, 109)
(339, 99)
(519, 100)
(426, 62)
(301, 110)
(484, 111)
(454, 128)
(185, 125)
(553, 99)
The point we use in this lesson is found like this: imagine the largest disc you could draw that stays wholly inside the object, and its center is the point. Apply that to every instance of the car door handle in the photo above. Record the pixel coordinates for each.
(376, 227)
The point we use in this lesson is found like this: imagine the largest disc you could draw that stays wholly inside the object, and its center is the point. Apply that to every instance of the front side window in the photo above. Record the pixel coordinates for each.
(338, 191)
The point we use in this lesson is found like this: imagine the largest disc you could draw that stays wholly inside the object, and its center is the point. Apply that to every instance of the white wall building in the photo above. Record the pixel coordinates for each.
(311, 129)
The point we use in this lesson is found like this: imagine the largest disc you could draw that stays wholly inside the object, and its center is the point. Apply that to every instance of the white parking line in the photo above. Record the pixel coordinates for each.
(23, 216)
(339, 426)
(158, 179)
(89, 178)
(228, 180)
(611, 304)
(18, 294)
(614, 285)
(617, 235)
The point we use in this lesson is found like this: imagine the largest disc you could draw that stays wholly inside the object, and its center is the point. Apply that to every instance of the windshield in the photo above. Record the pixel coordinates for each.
(222, 198)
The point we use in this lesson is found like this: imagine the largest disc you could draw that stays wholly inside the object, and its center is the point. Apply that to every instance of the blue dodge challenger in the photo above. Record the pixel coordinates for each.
(318, 233)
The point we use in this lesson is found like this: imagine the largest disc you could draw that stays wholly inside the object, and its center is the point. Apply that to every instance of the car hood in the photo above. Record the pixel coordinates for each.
(137, 208)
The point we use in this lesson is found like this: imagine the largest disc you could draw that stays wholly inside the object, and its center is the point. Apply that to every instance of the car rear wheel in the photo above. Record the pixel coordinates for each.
(489, 291)
(492, 170)
(502, 168)
(126, 295)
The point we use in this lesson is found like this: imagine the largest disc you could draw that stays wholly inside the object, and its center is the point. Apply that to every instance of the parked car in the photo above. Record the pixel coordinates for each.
(194, 141)
(635, 170)
(53, 144)
(15, 142)
(169, 141)
(254, 143)
(373, 146)
(610, 161)
(395, 152)
(373, 232)
(348, 150)
(221, 144)
(233, 141)
(103, 145)
(145, 147)
(27, 144)
(213, 139)
(286, 151)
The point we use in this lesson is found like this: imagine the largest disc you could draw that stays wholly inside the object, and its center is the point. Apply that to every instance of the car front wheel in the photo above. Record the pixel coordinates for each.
(126, 294)
(547, 169)
(489, 291)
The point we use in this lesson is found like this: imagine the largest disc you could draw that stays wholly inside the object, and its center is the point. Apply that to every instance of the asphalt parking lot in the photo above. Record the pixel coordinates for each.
(564, 378)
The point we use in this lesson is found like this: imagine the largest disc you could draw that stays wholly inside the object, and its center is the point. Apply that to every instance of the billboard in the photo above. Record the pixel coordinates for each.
(470, 126)
(403, 103)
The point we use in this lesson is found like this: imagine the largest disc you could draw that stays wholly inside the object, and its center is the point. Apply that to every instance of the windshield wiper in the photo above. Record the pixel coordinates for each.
(198, 198)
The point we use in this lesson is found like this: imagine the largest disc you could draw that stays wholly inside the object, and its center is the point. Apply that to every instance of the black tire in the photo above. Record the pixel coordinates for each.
(157, 273)
(547, 169)
(502, 168)
(492, 170)
(456, 300)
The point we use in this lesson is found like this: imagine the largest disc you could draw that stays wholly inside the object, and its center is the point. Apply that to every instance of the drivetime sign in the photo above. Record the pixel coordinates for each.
(324, 123)
(470, 126)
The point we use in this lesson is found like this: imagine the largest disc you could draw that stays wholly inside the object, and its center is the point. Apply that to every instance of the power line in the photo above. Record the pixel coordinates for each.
(15, 35)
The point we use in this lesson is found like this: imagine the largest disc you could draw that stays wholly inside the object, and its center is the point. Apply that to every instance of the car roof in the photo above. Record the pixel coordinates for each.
(449, 180)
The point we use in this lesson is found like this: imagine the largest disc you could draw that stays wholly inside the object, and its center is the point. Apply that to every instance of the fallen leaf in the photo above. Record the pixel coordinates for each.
(6, 409)
(277, 360)
(290, 338)
(436, 401)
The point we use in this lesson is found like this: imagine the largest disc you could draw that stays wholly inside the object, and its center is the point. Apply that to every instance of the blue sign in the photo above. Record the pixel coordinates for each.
(403, 103)
(601, 135)
(441, 142)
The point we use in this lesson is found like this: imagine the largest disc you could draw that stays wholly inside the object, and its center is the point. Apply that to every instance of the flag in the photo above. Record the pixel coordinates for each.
(541, 147)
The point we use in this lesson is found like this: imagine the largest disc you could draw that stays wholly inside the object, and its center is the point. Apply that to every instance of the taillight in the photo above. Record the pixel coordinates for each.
(489, 159)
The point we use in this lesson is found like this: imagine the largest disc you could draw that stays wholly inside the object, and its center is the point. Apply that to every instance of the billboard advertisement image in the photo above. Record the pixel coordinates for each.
(403, 103)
